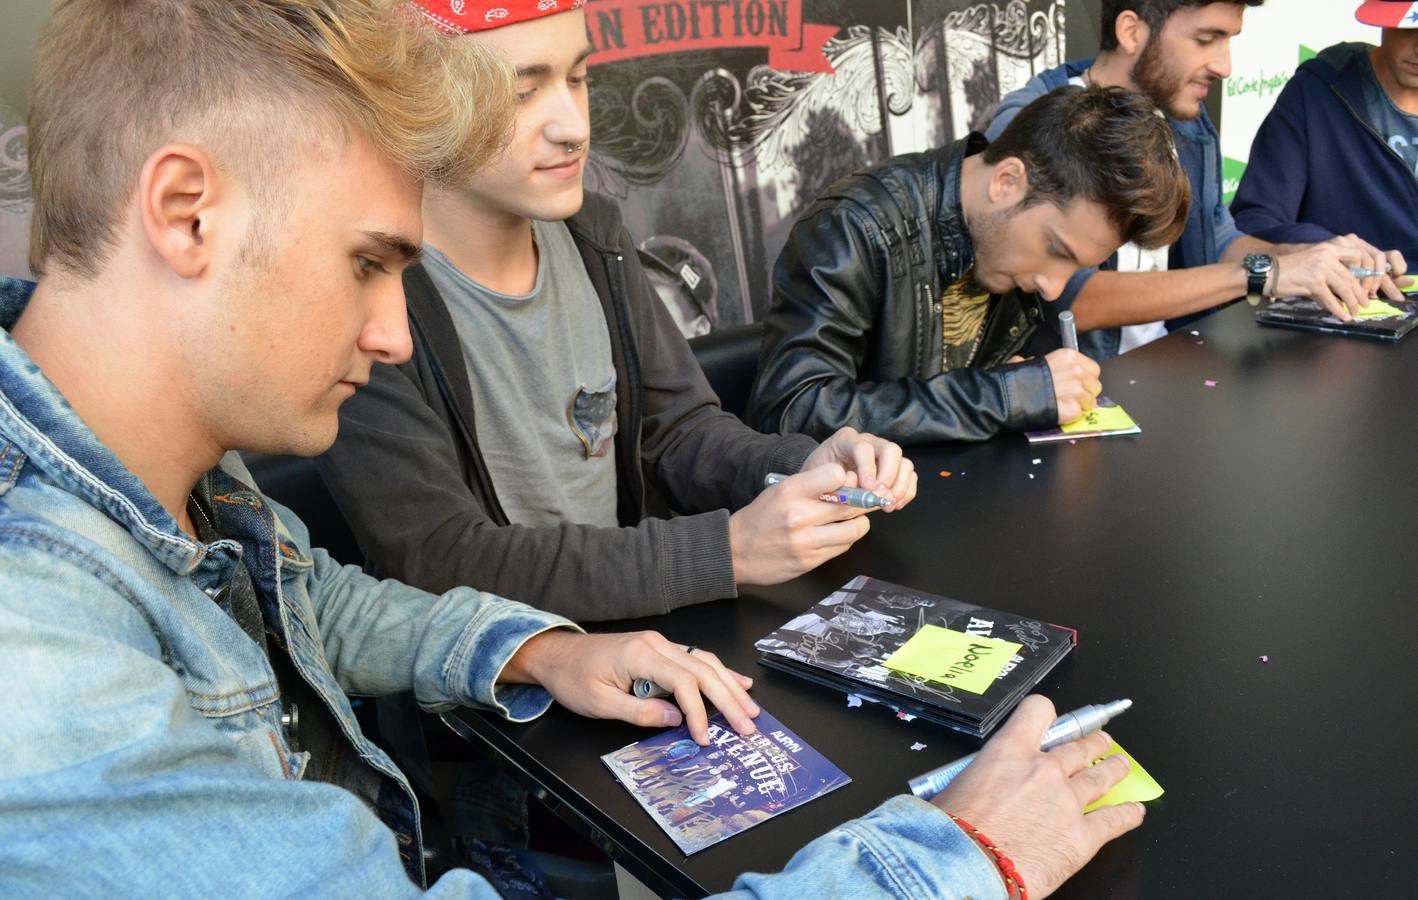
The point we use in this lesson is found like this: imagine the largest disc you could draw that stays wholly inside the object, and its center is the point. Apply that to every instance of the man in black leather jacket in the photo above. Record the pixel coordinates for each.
(904, 295)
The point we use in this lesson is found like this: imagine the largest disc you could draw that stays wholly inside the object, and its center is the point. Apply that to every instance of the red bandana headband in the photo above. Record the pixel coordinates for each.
(1388, 13)
(467, 16)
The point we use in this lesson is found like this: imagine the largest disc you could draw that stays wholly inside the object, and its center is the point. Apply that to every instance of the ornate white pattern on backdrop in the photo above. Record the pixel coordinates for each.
(16, 203)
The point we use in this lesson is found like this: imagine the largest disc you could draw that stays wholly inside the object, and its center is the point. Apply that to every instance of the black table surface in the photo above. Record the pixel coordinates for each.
(1267, 516)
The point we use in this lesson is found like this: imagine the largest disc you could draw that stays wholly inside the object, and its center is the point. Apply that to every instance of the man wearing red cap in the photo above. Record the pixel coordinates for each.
(1338, 152)
(1174, 51)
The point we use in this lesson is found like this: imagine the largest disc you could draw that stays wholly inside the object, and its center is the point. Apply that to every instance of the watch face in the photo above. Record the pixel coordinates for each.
(1257, 263)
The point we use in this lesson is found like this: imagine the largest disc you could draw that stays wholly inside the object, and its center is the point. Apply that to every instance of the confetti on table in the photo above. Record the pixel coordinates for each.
(853, 701)
(1199, 343)
(918, 746)
(1196, 334)
(1037, 461)
(1209, 383)
(944, 474)
(1031, 476)
(904, 716)
(1264, 658)
(1072, 441)
(1132, 381)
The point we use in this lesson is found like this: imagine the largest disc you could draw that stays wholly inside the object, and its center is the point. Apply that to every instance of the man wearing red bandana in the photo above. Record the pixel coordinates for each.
(551, 407)
(1339, 150)
(556, 414)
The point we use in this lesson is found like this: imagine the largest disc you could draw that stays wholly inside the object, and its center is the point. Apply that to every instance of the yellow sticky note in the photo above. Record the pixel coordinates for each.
(1138, 785)
(965, 661)
(1100, 418)
(1377, 309)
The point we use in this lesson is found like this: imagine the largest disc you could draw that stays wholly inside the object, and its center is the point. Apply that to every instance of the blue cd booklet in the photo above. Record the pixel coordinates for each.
(702, 795)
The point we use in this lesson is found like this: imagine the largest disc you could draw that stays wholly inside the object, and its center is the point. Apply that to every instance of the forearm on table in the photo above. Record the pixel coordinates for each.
(1114, 299)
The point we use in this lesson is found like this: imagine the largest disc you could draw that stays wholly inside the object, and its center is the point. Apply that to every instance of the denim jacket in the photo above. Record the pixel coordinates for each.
(143, 752)
(1210, 228)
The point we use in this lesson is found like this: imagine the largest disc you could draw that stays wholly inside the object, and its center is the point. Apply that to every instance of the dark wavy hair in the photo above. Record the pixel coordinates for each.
(1107, 145)
(1154, 12)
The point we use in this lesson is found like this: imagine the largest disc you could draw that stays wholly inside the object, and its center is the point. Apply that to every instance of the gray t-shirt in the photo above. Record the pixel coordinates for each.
(1396, 127)
(543, 385)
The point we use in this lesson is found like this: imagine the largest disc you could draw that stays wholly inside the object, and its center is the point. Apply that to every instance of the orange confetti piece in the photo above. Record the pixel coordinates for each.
(944, 474)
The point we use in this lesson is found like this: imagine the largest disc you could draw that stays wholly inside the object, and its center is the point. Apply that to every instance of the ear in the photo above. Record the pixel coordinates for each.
(1132, 33)
(177, 189)
(1009, 182)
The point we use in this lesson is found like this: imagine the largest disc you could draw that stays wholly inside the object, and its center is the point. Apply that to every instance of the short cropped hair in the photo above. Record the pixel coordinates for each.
(249, 81)
(1107, 145)
(1153, 12)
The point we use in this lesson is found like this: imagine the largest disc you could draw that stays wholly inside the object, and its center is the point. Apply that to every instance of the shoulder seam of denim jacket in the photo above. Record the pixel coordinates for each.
(44, 538)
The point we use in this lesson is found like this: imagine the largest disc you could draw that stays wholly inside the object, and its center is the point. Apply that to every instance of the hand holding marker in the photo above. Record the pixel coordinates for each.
(861, 499)
(1067, 727)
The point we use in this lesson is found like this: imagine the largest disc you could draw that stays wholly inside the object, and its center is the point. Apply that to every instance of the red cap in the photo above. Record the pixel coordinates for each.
(468, 16)
(1388, 13)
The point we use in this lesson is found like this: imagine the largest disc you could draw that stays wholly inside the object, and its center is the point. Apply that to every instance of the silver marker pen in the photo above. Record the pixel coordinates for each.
(861, 499)
(1068, 330)
(1067, 727)
(644, 688)
(1361, 272)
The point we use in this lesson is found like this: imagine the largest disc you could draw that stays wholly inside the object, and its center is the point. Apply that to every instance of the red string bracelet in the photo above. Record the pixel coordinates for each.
(1012, 881)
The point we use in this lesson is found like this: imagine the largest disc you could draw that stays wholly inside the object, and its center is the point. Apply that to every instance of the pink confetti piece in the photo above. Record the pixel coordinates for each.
(918, 746)
(1264, 658)
(1132, 381)
(853, 701)
(1209, 383)
(1072, 441)
(1199, 343)
(904, 716)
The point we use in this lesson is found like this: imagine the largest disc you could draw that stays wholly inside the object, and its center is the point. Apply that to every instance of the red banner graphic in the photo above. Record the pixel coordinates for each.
(627, 29)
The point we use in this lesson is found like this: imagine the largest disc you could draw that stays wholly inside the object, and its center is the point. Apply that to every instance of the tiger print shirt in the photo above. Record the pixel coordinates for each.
(964, 305)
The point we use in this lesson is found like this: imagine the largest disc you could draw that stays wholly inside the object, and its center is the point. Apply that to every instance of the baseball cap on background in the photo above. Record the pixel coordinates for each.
(1388, 13)
(468, 16)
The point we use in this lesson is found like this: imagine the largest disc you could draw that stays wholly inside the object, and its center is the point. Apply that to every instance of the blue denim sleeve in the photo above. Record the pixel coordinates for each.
(111, 784)
(384, 637)
(904, 848)
(1226, 230)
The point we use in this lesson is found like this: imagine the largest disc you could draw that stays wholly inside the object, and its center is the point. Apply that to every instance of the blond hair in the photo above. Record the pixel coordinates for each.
(246, 80)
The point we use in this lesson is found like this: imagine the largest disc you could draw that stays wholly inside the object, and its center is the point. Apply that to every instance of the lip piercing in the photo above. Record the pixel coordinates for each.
(574, 148)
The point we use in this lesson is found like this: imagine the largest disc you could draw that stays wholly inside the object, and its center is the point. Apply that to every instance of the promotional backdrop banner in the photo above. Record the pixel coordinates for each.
(1277, 37)
(716, 122)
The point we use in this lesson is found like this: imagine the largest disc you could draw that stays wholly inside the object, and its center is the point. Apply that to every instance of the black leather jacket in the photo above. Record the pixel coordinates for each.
(853, 336)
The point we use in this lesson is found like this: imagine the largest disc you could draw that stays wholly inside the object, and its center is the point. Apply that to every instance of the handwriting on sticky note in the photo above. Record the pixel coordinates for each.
(965, 661)
(1377, 309)
(1101, 418)
(1138, 785)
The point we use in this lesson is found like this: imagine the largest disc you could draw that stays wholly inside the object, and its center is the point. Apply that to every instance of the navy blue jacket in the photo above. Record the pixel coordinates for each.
(1318, 168)
(1210, 228)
